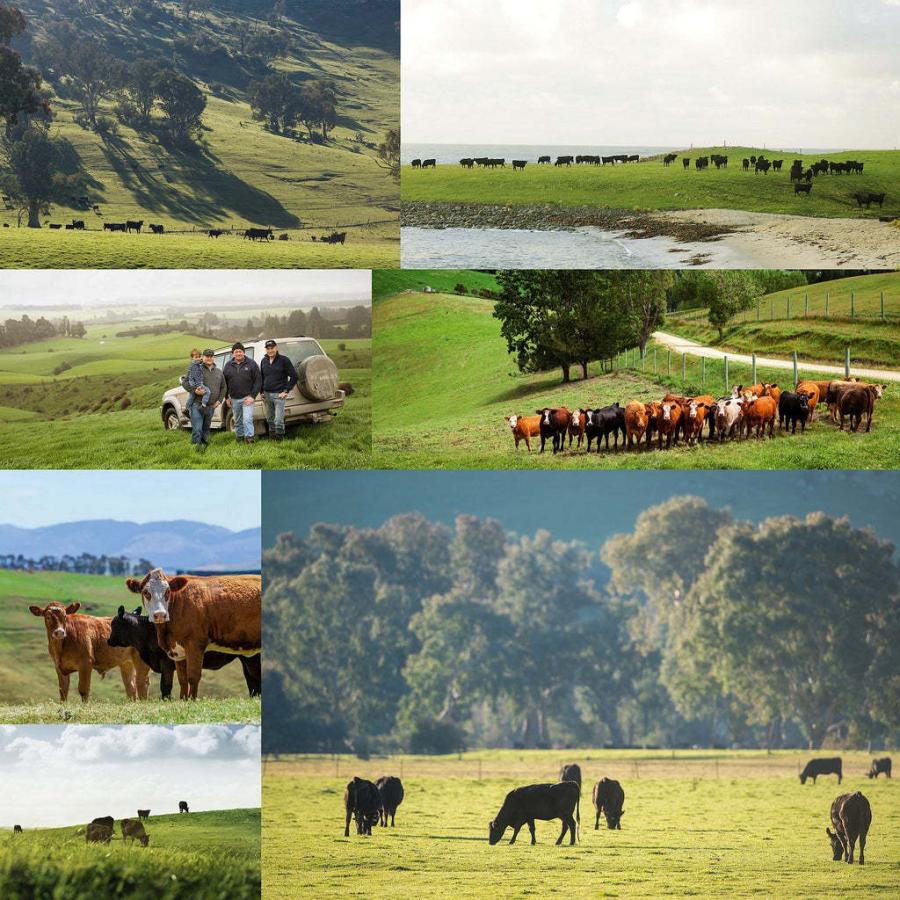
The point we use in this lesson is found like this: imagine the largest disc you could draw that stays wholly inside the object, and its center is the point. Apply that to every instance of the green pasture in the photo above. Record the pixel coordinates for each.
(28, 684)
(387, 282)
(239, 174)
(696, 823)
(650, 185)
(102, 408)
(444, 384)
(202, 856)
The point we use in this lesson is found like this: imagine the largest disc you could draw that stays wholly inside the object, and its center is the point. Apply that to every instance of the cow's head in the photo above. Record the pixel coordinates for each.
(512, 421)
(495, 832)
(54, 616)
(156, 592)
(589, 417)
(545, 415)
(879, 390)
(612, 818)
(837, 848)
(804, 400)
(668, 410)
(692, 409)
(576, 418)
(120, 627)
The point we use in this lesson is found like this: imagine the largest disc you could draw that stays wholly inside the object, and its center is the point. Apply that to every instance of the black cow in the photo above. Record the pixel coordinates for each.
(851, 816)
(259, 234)
(745, 165)
(537, 801)
(336, 237)
(467, 162)
(55, 227)
(609, 799)
(543, 160)
(571, 772)
(876, 198)
(669, 158)
(793, 408)
(816, 767)
(493, 162)
(113, 226)
(157, 229)
(17, 829)
(686, 162)
(104, 820)
(429, 163)
(183, 807)
(78, 224)
(417, 163)
(143, 813)
(135, 630)
(776, 165)
(880, 766)
(216, 232)
(609, 420)
(803, 189)
(564, 160)
(519, 164)
(362, 802)
(134, 225)
(390, 793)
(554, 423)
(762, 165)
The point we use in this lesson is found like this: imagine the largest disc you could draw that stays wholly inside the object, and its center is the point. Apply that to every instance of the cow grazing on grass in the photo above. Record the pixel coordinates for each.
(183, 807)
(417, 164)
(537, 801)
(519, 164)
(390, 794)
(669, 158)
(762, 165)
(857, 402)
(157, 229)
(336, 237)
(133, 830)
(216, 232)
(637, 420)
(553, 425)
(571, 772)
(134, 225)
(137, 631)
(576, 427)
(429, 163)
(55, 227)
(143, 813)
(194, 614)
(113, 226)
(793, 408)
(564, 160)
(79, 643)
(609, 799)
(259, 234)
(543, 160)
(816, 767)
(851, 816)
(467, 162)
(803, 189)
(362, 802)
(17, 829)
(760, 414)
(78, 224)
(98, 834)
(524, 428)
(880, 766)
(667, 423)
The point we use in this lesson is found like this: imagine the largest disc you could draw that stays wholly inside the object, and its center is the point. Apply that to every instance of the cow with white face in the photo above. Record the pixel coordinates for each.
(155, 590)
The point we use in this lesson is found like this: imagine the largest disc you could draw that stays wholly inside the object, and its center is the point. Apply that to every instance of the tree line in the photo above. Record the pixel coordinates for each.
(14, 332)
(693, 628)
(83, 564)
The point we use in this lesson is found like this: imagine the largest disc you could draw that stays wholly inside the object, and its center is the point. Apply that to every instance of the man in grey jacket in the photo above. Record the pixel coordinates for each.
(201, 416)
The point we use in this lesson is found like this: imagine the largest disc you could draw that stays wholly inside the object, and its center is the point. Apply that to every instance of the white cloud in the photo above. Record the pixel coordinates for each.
(630, 14)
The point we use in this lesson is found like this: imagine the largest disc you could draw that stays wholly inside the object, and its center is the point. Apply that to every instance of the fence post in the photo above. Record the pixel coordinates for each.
(655, 370)
(642, 358)
(725, 360)
(789, 306)
(826, 303)
(752, 370)
(772, 310)
(668, 362)
(846, 362)
(758, 304)
(852, 304)
(882, 304)
(703, 371)
(683, 368)
(794, 360)
(805, 305)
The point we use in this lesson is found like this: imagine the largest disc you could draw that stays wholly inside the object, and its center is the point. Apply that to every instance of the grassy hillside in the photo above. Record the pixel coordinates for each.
(695, 823)
(103, 410)
(207, 855)
(650, 185)
(444, 383)
(387, 282)
(27, 675)
(239, 174)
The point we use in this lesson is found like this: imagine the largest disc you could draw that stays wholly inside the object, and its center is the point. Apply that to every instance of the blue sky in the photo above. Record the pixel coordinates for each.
(34, 499)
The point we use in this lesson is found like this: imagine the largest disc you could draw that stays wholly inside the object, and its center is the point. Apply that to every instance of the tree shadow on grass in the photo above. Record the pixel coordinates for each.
(192, 185)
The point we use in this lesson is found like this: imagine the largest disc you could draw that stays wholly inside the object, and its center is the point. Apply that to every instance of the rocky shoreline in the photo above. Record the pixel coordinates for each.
(532, 217)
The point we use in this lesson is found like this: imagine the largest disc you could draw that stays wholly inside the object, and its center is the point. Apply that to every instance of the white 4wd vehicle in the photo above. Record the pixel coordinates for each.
(315, 398)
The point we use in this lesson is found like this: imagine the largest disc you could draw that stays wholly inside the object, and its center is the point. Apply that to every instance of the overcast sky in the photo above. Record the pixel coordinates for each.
(799, 74)
(217, 287)
(33, 499)
(53, 775)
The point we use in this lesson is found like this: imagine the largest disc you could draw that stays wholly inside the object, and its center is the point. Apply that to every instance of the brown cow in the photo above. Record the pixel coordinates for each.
(771, 390)
(98, 834)
(78, 643)
(637, 421)
(654, 411)
(133, 829)
(193, 614)
(859, 401)
(524, 428)
(760, 413)
(851, 816)
(693, 419)
(834, 392)
(813, 395)
(667, 422)
(576, 427)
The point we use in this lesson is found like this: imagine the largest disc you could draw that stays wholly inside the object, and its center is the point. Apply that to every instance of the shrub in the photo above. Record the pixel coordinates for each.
(62, 367)
(125, 403)
(433, 737)
(461, 289)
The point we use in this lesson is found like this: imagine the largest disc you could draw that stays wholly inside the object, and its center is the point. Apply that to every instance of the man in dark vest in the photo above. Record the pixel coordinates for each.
(278, 378)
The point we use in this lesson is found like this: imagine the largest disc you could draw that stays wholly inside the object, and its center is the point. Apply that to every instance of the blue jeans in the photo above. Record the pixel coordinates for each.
(243, 417)
(204, 398)
(275, 412)
(201, 416)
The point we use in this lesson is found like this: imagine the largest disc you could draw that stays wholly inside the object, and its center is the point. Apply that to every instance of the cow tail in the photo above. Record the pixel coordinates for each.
(578, 807)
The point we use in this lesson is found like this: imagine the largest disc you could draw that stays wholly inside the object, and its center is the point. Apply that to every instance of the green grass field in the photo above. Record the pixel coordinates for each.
(444, 384)
(239, 174)
(650, 185)
(393, 281)
(202, 856)
(103, 410)
(696, 823)
(28, 685)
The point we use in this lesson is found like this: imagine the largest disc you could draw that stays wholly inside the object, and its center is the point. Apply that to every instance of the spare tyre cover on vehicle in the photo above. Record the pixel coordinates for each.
(317, 378)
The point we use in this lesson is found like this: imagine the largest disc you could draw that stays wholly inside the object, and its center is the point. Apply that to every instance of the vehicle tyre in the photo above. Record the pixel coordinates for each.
(229, 421)
(317, 378)
(171, 422)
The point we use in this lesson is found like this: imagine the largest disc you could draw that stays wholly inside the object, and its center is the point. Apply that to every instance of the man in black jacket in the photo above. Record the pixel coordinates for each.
(278, 377)
(244, 381)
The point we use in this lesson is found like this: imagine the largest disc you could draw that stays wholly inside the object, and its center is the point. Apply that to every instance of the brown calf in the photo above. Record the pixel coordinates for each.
(760, 414)
(637, 419)
(524, 428)
(667, 422)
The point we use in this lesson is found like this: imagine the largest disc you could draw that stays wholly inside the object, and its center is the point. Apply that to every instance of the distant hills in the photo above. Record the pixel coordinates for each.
(179, 544)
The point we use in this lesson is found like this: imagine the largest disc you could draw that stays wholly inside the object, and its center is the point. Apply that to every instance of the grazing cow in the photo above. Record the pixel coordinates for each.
(693, 417)
(524, 428)
(137, 631)
(571, 772)
(157, 229)
(194, 614)
(519, 164)
(259, 234)
(133, 225)
(17, 829)
(183, 807)
(429, 163)
(216, 232)
(133, 830)
(362, 802)
(417, 163)
(390, 794)
(467, 162)
(143, 813)
(543, 160)
(813, 395)
(609, 420)
(803, 189)
(55, 227)
(851, 816)
(858, 401)
(576, 427)
(78, 224)
(109, 821)
(537, 801)
(760, 414)
(564, 160)
(553, 425)
(776, 165)
(637, 421)
(879, 767)
(729, 411)
(78, 643)
(822, 766)
(98, 834)
(284, 237)
(667, 423)
(609, 799)
(762, 165)
(793, 408)
(336, 237)
(113, 226)
(669, 158)
(877, 198)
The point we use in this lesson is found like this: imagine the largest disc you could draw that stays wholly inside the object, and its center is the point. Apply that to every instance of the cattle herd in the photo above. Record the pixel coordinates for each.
(191, 623)
(372, 803)
(749, 410)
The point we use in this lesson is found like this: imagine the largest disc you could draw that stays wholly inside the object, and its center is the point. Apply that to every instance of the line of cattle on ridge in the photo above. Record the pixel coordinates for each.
(372, 803)
(101, 829)
(801, 178)
(190, 623)
(675, 418)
